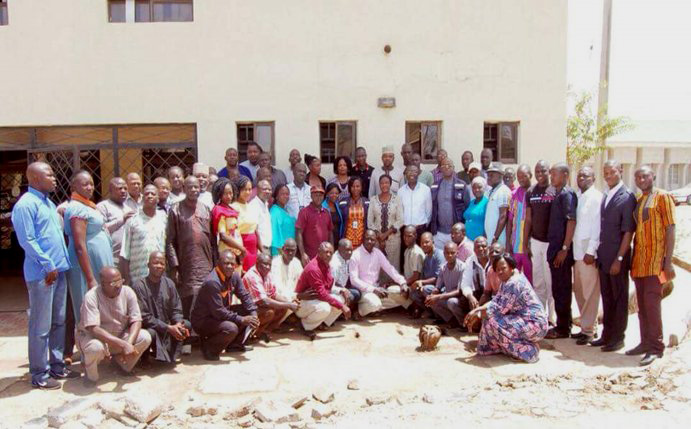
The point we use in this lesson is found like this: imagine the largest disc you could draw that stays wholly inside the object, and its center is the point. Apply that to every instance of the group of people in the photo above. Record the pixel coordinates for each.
(228, 256)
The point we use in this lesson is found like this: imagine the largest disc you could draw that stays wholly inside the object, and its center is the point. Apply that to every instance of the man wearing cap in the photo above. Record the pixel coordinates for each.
(449, 201)
(497, 204)
(388, 167)
(313, 226)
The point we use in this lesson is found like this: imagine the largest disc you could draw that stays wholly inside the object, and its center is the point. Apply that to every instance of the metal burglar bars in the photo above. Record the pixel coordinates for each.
(105, 151)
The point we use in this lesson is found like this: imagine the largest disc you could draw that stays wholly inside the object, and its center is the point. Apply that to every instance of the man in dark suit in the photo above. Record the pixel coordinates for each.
(614, 256)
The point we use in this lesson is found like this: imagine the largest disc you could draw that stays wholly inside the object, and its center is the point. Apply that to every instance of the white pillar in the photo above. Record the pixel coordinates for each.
(129, 10)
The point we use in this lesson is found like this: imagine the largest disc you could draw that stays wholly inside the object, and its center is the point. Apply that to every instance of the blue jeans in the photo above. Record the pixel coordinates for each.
(47, 307)
(418, 295)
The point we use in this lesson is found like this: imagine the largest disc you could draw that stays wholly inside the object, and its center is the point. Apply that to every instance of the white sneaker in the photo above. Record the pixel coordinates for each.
(187, 349)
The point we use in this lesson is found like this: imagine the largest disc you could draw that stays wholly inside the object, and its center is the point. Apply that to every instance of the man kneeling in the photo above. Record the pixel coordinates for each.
(272, 308)
(110, 325)
(161, 310)
(365, 266)
(317, 304)
(220, 325)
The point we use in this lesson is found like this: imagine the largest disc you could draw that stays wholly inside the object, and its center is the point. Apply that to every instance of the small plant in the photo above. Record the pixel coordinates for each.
(585, 137)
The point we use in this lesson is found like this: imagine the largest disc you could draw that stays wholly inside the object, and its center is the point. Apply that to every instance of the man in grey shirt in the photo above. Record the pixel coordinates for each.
(444, 299)
(116, 213)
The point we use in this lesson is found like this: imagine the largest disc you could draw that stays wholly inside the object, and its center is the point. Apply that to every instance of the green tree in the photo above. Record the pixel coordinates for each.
(585, 137)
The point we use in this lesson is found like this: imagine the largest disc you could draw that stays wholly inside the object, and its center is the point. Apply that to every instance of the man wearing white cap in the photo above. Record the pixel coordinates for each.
(201, 172)
(388, 167)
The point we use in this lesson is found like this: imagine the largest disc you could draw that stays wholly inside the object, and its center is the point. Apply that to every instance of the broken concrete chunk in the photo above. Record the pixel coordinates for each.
(275, 412)
(377, 400)
(324, 394)
(321, 411)
(353, 385)
(68, 411)
(245, 421)
(143, 409)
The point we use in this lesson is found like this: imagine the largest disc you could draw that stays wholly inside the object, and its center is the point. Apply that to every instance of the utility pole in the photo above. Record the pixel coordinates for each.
(603, 93)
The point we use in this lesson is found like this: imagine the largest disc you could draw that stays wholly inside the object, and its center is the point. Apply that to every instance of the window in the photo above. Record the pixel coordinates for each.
(425, 137)
(674, 179)
(337, 139)
(502, 139)
(116, 11)
(163, 11)
(259, 132)
(3, 12)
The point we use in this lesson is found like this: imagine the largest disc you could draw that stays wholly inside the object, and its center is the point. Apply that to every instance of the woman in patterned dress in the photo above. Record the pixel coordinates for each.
(224, 218)
(385, 216)
(354, 211)
(514, 321)
(247, 225)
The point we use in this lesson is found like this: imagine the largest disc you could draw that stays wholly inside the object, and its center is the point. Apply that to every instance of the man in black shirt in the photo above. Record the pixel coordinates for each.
(220, 325)
(562, 225)
(362, 169)
(538, 206)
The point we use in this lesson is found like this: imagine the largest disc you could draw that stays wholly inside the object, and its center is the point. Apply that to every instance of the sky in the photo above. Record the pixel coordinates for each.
(650, 62)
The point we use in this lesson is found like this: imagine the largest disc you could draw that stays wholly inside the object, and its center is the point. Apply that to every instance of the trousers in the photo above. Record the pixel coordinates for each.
(47, 312)
(371, 303)
(314, 312)
(649, 296)
(615, 305)
(94, 351)
(586, 288)
(542, 278)
(562, 292)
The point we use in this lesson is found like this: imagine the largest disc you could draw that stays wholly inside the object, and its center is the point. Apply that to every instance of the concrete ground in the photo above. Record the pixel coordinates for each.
(379, 353)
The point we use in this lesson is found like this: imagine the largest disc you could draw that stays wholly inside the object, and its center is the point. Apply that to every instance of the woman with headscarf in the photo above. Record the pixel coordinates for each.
(474, 215)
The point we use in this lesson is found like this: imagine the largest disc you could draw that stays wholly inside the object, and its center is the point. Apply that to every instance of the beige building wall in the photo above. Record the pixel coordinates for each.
(295, 63)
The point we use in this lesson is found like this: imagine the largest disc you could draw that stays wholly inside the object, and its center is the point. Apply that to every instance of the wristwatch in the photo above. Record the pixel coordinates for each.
(620, 258)
(564, 247)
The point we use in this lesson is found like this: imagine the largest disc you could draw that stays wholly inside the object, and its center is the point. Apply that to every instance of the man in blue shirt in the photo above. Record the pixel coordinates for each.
(36, 222)
(431, 268)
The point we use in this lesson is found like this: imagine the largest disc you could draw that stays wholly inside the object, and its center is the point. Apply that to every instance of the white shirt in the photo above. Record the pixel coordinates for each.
(289, 174)
(339, 270)
(206, 199)
(467, 286)
(586, 237)
(259, 210)
(252, 168)
(396, 175)
(417, 204)
(285, 277)
(612, 192)
(299, 198)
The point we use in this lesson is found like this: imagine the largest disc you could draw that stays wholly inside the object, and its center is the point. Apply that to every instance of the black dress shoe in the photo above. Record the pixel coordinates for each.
(638, 350)
(554, 334)
(585, 339)
(613, 347)
(238, 348)
(579, 335)
(649, 358)
(598, 343)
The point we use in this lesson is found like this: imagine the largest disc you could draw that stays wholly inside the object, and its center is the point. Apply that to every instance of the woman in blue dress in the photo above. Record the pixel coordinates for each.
(282, 224)
(474, 215)
(90, 246)
(514, 321)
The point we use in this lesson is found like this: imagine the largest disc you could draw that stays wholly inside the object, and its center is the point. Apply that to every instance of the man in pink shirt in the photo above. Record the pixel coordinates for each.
(465, 246)
(365, 266)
